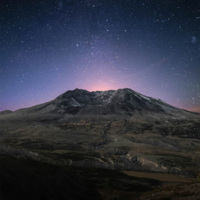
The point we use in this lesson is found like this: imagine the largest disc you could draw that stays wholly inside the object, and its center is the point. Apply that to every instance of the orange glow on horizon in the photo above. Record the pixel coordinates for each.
(194, 109)
(101, 87)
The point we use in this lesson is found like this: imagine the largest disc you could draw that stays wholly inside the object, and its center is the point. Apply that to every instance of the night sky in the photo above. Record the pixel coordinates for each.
(51, 46)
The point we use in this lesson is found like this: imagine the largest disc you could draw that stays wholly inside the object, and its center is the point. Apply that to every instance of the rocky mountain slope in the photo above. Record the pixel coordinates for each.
(115, 129)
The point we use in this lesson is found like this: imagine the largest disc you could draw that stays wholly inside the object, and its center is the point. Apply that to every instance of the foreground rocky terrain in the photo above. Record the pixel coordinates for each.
(121, 130)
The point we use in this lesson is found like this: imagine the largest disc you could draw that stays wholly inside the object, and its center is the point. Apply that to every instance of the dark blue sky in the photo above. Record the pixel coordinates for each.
(50, 46)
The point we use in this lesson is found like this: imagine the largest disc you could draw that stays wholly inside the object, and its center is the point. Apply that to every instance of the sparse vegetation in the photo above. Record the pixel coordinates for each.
(198, 177)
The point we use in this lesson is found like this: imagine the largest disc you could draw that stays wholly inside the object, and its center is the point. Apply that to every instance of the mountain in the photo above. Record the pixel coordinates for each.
(5, 112)
(81, 141)
(116, 129)
(111, 102)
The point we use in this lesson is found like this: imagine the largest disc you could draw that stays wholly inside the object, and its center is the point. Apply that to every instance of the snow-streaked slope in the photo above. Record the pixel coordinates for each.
(121, 101)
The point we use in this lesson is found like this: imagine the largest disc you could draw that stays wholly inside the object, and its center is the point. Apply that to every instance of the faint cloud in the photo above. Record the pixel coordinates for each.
(194, 39)
(60, 5)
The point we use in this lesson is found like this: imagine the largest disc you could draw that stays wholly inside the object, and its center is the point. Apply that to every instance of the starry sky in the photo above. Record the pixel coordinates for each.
(50, 46)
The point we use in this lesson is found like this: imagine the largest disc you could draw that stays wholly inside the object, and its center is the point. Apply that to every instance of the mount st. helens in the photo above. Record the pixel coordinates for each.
(116, 129)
